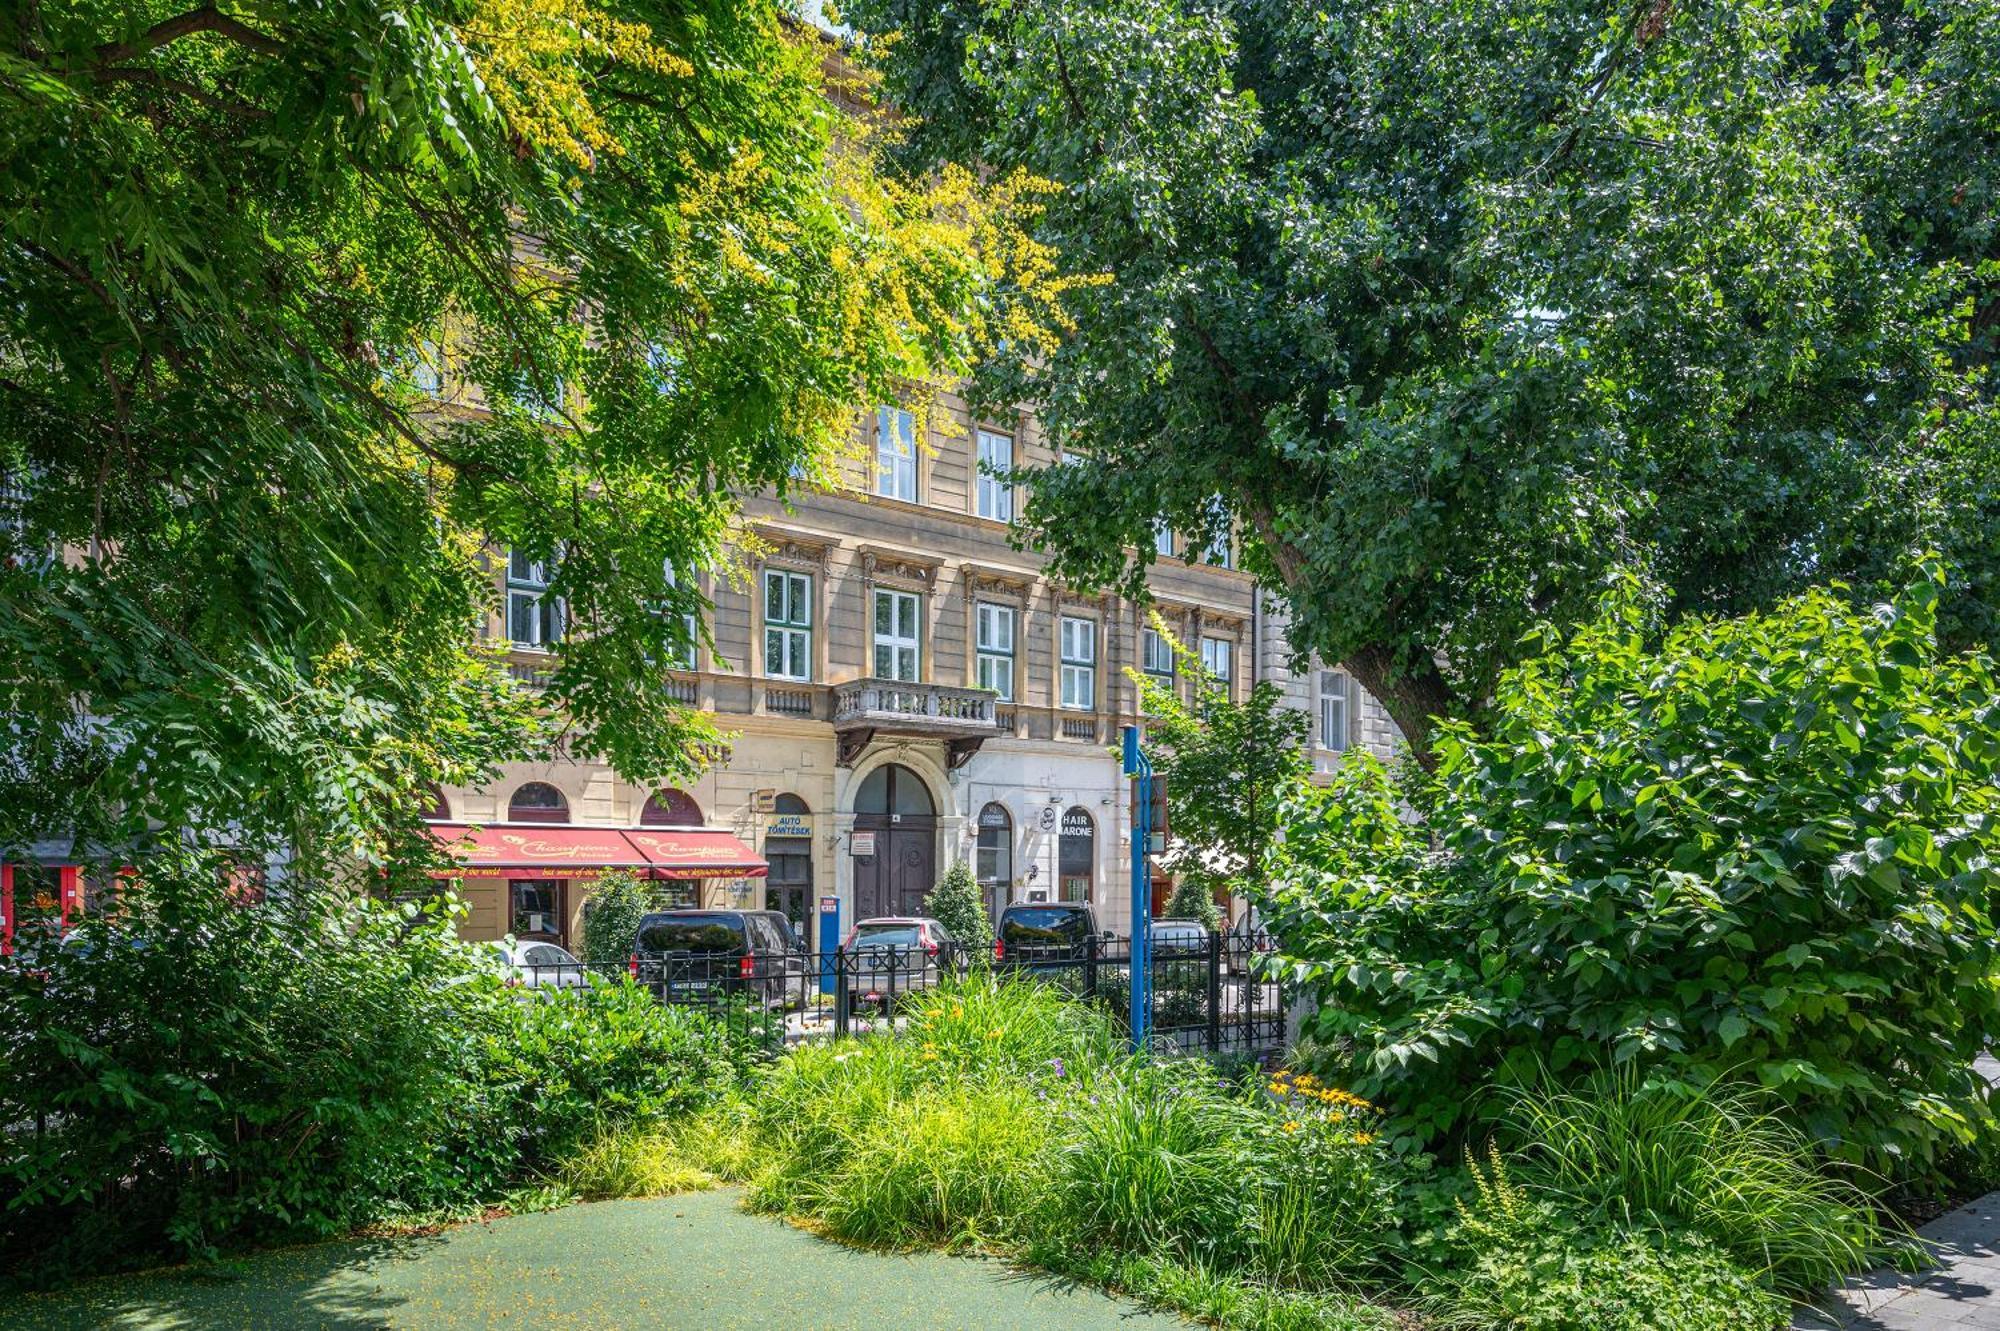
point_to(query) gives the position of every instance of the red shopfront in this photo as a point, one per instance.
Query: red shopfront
(533, 880)
(37, 895)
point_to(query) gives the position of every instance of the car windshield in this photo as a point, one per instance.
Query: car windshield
(1044, 926)
(692, 933)
(1178, 933)
(887, 935)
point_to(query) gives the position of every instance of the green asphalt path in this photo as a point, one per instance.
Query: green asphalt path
(696, 1261)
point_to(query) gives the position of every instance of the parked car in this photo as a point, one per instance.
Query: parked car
(1246, 941)
(709, 955)
(1178, 938)
(531, 964)
(892, 955)
(1046, 932)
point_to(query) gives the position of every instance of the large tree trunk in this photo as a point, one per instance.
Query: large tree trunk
(1412, 697)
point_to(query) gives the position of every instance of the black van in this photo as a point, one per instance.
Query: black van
(1054, 931)
(704, 955)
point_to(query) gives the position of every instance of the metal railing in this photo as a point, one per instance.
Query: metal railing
(1209, 994)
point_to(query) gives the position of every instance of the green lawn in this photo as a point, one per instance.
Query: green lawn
(695, 1261)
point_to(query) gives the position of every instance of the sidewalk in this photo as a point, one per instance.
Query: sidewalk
(1960, 1293)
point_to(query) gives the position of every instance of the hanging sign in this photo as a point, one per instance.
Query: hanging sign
(863, 845)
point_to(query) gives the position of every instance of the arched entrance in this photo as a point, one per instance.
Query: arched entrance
(893, 809)
(788, 848)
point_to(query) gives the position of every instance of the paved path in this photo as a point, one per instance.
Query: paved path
(695, 1262)
(1960, 1293)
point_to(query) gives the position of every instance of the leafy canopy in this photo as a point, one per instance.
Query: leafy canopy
(304, 307)
(1763, 845)
(1230, 769)
(1456, 304)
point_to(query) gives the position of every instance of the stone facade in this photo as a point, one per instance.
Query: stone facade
(924, 566)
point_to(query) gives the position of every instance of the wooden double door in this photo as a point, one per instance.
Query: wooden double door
(900, 874)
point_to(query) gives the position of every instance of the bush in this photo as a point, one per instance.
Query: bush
(565, 1064)
(1709, 1159)
(618, 901)
(202, 1074)
(1765, 844)
(1193, 899)
(957, 904)
(194, 1074)
(1528, 1267)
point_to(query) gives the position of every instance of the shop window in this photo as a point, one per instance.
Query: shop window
(538, 802)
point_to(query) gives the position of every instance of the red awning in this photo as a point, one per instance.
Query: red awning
(666, 852)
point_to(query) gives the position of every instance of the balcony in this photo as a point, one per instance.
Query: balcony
(962, 719)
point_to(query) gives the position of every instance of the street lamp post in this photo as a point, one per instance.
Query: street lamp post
(1141, 771)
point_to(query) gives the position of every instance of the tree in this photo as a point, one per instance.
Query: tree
(1451, 307)
(956, 903)
(1230, 767)
(618, 901)
(1760, 847)
(310, 309)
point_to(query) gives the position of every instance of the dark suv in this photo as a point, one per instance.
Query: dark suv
(702, 955)
(1052, 932)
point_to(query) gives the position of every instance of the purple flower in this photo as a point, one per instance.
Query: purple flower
(1057, 1064)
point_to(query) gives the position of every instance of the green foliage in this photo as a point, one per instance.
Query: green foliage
(1762, 845)
(631, 1162)
(1230, 768)
(192, 1074)
(559, 277)
(1529, 1268)
(1707, 1158)
(1457, 304)
(618, 900)
(1193, 900)
(957, 903)
(566, 1063)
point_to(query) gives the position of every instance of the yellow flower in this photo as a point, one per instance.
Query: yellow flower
(1291, 1126)
(1363, 1138)
(995, 1033)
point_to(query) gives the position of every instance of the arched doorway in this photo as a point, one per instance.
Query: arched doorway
(788, 848)
(1076, 854)
(894, 812)
(993, 860)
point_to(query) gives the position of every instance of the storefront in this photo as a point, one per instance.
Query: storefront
(533, 881)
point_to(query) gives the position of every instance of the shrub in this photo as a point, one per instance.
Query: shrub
(1765, 844)
(1326, 1209)
(1193, 899)
(957, 904)
(618, 901)
(1710, 1159)
(1528, 1267)
(202, 1073)
(632, 1162)
(569, 1063)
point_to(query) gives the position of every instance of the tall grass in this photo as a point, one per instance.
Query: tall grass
(1707, 1156)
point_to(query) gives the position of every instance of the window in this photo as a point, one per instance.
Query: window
(896, 643)
(787, 624)
(421, 367)
(538, 802)
(1079, 663)
(663, 363)
(993, 861)
(1216, 658)
(1336, 710)
(996, 496)
(1163, 537)
(537, 908)
(668, 807)
(896, 454)
(546, 407)
(534, 617)
(995, 640)
(1156, 654)
(683, 655)
(1076, 853)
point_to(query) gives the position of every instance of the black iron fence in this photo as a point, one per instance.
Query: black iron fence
(1210, 993)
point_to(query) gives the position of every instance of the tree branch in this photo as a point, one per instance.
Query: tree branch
(205, 19)
(154, 79)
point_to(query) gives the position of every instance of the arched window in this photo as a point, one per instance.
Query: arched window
(893, 789)
(993, 862)
(671, 808)
(790, 803)
(538, 802)
(1076, 853)
(436, 810)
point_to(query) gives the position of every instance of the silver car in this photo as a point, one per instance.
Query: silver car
(531, 964)
(893, 955)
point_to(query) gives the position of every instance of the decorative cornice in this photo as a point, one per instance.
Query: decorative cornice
(985, 579)
(896, 566)
(784, 546)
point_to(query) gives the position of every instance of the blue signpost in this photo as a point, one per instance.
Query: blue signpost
(1141, 772)
(829, 941)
